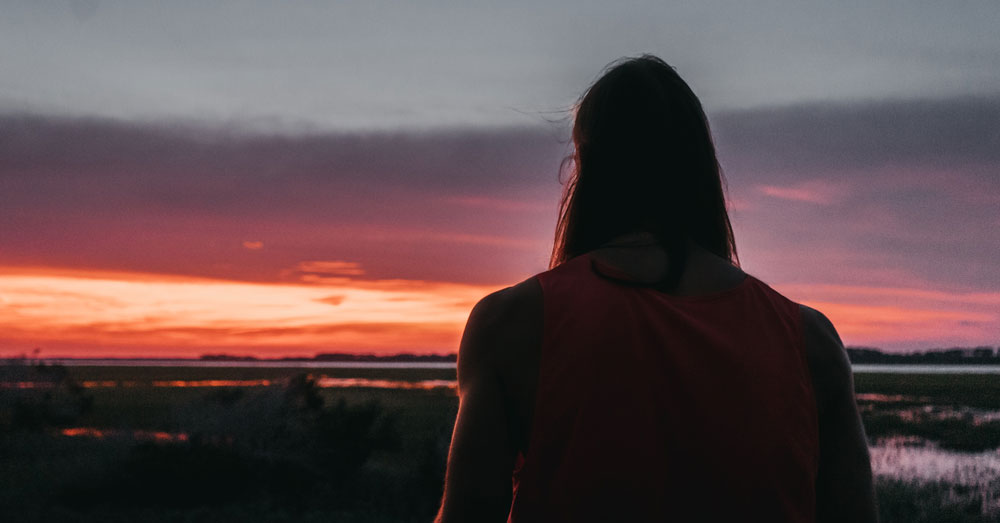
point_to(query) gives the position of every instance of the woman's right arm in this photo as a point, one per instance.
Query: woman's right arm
(844, 489)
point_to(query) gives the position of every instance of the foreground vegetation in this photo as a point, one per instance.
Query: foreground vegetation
(296, 452)
(289, 452)
(950, 410)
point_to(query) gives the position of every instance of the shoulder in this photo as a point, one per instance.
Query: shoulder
(825, 354)
(498, 308)
(501, 326)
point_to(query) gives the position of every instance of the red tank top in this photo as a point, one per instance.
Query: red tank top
(653, 407)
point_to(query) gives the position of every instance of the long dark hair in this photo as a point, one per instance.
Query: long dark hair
(644, 161)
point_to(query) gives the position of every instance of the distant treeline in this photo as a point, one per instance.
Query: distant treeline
(955, 355)
(408, 358)
(864, 355)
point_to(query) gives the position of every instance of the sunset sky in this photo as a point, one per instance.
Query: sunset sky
(287, 178)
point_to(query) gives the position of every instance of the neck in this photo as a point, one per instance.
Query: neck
(639, 258)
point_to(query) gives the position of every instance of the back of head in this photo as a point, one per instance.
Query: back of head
(644, 162)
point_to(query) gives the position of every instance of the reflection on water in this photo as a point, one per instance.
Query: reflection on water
(211, 383)
(913, 458)
(943, 412)
(385, 384)
(889, 398)
(924, 411)
(923, 368)
(259, 364)
(321, 381)
(144, 435)
(966, 474)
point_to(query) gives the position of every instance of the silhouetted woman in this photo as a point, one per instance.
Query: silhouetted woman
(645, 377)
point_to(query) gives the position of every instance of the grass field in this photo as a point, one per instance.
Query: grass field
(295, 452)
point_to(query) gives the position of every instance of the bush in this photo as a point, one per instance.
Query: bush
(285, 447)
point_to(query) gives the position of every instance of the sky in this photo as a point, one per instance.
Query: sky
(282, 179)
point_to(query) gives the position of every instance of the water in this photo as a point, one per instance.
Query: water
(964, 475)
(324, 382)
(913, 458)
(925, 369)
(254, 364)
(859, 369)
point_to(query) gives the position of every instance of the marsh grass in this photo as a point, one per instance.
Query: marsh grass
(954, 411)
(289, 452)
(295, 452)
(970, 390)
(936, 502)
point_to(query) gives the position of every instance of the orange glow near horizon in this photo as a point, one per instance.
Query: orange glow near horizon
(73, 313)
(98, 314)
(874, 316)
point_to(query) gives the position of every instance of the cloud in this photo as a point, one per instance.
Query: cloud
(902, 192)
(903, 317)
(811, 191)
(499, 204)
(332, 300)
(430, 64)
(159, 197)
(848, 138)
(196, 165)
(129, 314)
(893, 327)
(329, 268)
(890, 194)
(253, 245)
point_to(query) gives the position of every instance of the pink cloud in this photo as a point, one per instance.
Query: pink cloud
(330, 268)
(501, 204)
(896, 317)
(819, 192)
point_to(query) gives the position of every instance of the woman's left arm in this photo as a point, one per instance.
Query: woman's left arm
(478, 484)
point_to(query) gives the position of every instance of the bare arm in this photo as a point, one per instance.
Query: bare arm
(478, 484)
(844, 490)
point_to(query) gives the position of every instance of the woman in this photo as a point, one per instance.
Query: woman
(645, 377)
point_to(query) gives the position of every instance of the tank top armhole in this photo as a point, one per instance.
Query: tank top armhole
(523, 455)
(807, 376)
(798, 332)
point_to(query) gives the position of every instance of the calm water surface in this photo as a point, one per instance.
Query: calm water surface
(860, 368)
(926, 369)
(256, 364)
